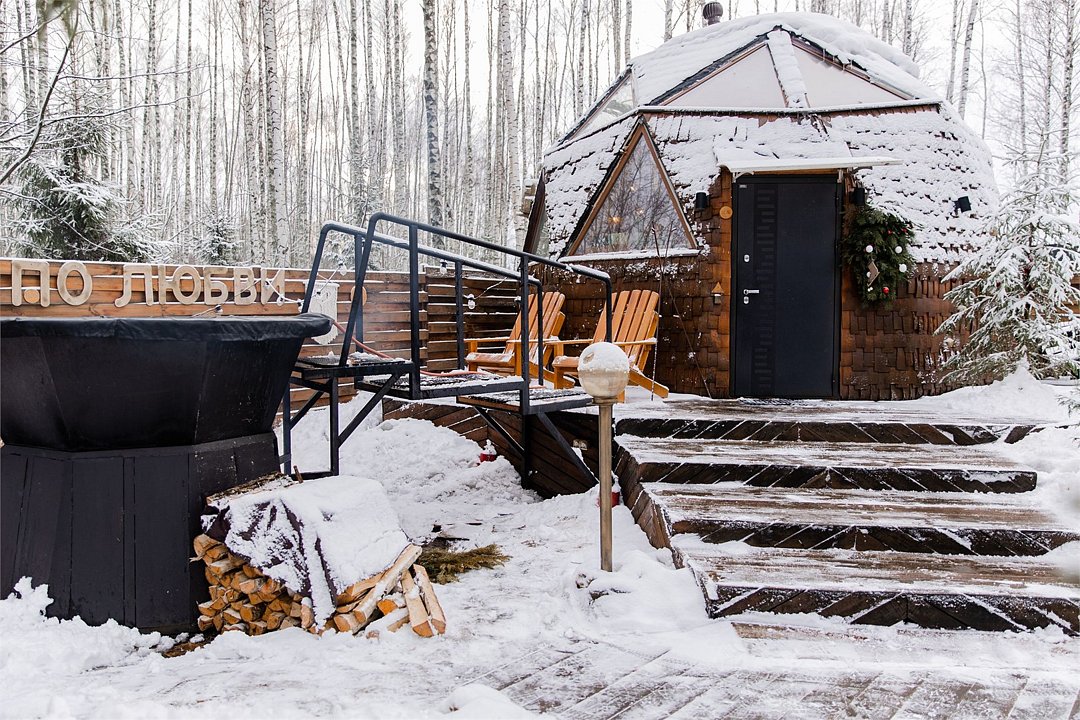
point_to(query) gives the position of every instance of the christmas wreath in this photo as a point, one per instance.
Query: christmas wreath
(876, 246)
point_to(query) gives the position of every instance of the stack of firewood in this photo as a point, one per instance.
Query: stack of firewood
(242, 598)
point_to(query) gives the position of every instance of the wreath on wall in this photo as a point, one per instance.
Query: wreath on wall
(876, 246)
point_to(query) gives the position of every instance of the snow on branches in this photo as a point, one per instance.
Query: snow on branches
(1019, 297)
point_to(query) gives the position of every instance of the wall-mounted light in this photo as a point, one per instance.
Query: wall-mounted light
(717, 294)
(701, 201)
(962, 204)
(858, 196)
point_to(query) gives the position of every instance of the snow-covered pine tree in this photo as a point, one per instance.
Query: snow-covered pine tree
(1018, 298)
(65, 212)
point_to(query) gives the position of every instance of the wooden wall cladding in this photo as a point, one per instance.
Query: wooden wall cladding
(893, 352)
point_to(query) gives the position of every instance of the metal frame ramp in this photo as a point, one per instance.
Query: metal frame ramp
(406, 379)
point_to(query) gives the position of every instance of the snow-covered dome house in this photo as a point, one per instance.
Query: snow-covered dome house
(721, 170)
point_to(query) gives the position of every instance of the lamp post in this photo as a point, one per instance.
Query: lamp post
(604, 369)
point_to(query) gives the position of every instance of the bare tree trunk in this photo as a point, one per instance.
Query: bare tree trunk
(965, 65)
(152, 117)
(431, 115)
(357, 204)
(26, 25)
(1021, 84)
(669, 8)
(128, 145)
(616, 32)
(954, 42)
(626, 38)
(256, 229)
(274, 136)
(189, 120)
(468, 178)
(506, 68)
(212, 142)
(908, 27)
(1069, 8)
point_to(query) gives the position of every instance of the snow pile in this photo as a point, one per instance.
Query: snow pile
(316, 537)
(427, 472)
(787, 69)
(36, 649)
(479, 702)
(1017, 397)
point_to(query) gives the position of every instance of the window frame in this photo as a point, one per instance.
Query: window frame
(639, 134)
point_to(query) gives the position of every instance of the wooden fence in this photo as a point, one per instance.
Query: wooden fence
(40, 288)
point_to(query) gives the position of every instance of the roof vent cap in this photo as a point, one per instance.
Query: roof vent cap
(712, 12)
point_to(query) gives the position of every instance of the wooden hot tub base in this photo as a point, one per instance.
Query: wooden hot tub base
(110, 531)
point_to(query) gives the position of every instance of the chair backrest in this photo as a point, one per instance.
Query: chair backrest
(553, 318)
(633, 320)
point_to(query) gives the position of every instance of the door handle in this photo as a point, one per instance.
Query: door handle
(751, 292)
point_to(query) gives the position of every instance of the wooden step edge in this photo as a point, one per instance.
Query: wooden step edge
(883, 571)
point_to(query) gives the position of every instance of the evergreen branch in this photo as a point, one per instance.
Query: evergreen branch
(41, 113)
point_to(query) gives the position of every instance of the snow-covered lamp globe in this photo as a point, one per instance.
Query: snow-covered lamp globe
(604, 370)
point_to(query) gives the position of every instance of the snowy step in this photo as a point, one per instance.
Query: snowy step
(937, 468)
(949, 523)
(818, 421)
(885, 588)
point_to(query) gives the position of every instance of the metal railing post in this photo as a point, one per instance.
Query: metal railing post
(459, 306)
(414, 307)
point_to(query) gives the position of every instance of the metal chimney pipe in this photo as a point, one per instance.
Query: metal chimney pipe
(712, 12)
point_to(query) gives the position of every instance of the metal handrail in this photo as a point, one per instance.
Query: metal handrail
(358, 235)
(524, 258)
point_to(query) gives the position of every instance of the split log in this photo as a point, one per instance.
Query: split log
(391, 602)
(418, 615)
(202, 544)
(431, 602)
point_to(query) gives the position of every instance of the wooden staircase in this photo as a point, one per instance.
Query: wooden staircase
(848, 512)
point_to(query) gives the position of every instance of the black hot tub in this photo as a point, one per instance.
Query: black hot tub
(115, 429)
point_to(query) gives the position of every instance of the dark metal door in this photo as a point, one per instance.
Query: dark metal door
(786, 304)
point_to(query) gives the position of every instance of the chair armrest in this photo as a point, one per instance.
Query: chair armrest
(473, 344)
(635, 343)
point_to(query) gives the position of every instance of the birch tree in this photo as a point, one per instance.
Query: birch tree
(431, 115)
(274, 136)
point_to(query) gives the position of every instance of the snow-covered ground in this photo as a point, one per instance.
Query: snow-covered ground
(551, 593)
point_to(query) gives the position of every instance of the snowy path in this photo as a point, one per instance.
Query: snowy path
(548, 629)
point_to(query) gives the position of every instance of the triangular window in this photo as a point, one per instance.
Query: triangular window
(636, 211)
(620, 101)
(749, 82)
(828, 84)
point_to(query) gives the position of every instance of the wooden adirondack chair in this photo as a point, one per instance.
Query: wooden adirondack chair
(634, 322)
(508, 362)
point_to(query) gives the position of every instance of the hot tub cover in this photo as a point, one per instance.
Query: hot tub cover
(226, 328)
(93, 384)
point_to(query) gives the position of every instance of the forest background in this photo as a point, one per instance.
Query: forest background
(227, 131)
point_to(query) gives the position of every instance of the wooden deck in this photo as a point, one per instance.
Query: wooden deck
(597, 681)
